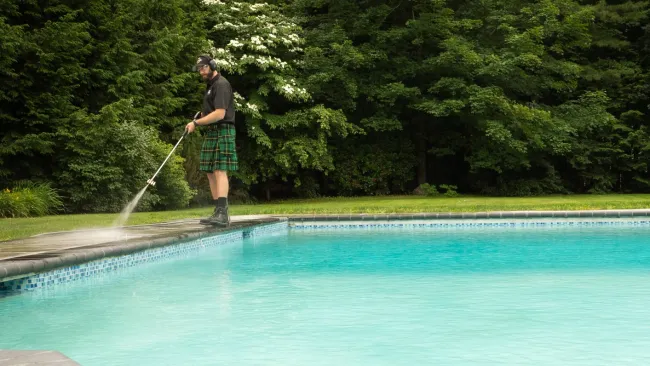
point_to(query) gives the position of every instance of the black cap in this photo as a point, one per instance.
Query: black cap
(202, 61)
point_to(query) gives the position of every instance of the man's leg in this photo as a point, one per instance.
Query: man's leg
(221, 179)
(212, 180)
(214, 183)
(214, 190)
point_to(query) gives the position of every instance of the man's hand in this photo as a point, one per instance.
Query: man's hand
(190, 127)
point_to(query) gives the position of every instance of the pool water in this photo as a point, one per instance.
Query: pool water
(503, 296)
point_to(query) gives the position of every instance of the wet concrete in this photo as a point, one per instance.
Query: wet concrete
(22, 257)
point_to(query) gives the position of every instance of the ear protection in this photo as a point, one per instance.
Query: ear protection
(213, 63)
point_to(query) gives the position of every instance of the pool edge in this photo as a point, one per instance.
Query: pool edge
(28, 273)
(472, 215)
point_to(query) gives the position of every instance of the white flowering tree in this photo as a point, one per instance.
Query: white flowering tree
(282, 132)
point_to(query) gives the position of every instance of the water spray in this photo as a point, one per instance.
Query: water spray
(151, 182)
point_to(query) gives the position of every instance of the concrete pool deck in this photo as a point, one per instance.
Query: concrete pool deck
(21, 257)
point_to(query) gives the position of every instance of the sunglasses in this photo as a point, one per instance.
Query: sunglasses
(199, 67)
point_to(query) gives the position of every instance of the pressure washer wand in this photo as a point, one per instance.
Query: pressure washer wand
(151, 181)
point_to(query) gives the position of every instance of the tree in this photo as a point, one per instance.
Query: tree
(488, 92)
(282, 132)
(72, 70)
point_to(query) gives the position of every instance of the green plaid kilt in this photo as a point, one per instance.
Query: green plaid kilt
(218, 151)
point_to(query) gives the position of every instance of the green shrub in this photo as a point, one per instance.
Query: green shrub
(28, 199)
(427, 189)
(110, 160)
(450, 190)
(430, 190)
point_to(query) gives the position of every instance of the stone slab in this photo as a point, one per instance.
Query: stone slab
(28, 358)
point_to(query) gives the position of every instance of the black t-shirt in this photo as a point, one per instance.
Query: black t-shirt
(219, 95)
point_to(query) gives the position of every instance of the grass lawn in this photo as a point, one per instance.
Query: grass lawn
(23, 227)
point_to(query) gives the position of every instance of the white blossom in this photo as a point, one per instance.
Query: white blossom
(224, 63)
(235, 43)
(228, 24)
(259, 32)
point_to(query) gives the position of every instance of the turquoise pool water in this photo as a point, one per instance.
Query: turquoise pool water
(502, 296)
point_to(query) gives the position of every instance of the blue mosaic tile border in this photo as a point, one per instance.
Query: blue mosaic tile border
(275, 229)
(474, 215)
(104, 265)
(466, 224)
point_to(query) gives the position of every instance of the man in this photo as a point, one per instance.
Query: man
(218, 154)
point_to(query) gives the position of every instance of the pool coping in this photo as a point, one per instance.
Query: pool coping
(32, 264)
(473, 215)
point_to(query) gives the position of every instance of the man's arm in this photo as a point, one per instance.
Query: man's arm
(214, 116)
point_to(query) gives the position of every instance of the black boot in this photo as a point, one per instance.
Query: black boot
(220, 215)
(209, 220)
(222, 218)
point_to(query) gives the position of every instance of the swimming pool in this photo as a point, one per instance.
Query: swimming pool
(570, 295)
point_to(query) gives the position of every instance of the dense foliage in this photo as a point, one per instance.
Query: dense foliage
(83, 84)
(334, 97)
(28, 199)
(498, 97)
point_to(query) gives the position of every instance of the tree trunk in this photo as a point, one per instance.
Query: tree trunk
(422, 154)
